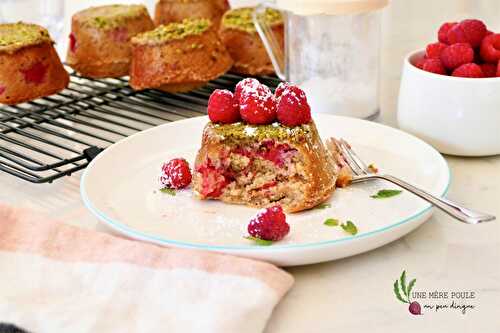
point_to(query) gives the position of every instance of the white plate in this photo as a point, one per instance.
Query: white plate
(120, 188)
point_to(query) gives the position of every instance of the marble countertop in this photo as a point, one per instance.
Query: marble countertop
(356, 294)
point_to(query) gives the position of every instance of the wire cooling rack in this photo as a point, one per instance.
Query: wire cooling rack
(56, 136)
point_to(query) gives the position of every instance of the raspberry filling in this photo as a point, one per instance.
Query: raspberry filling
(35, 73)
(214, 180)
(279, 154)
(72, 42)
(2, 89)
(120, 35)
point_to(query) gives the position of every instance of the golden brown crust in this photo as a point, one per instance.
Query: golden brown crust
(318, 164)
(167, 11)
(190, 61)
(105, 52)
(48, 74)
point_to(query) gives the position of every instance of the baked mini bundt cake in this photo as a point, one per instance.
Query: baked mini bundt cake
(261, 150)
(100, 39)
(168, 11)
(178, 57)
(29, 66)
(237, 32)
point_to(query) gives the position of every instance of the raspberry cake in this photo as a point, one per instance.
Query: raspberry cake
(100, 39)
(272, 156)
(238, 33)
(29, 66)
(168, 11)
(178, 57)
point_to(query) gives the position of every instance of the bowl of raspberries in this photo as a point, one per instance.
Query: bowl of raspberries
(450, 91)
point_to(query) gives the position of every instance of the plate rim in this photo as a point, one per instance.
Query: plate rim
(116, 225)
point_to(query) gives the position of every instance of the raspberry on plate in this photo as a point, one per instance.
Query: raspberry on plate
(433, 51)
(257, 104)
(468, 70)
(293, 109)
(467, 31)
(457, 54)
(175, 174)
(222, 107)
(434, 66)
(269, 224)
(489, 70)
(490, 48)
(443, 31)
(279, 90)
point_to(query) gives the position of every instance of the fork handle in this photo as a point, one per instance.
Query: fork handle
(461, 213)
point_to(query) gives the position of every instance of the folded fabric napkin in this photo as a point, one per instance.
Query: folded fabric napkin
(59, 278)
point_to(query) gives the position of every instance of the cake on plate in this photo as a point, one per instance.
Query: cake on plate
(178, 57)
(100, 39)
(261, 149)
(238, 33)
(29, 65)
(168, 11)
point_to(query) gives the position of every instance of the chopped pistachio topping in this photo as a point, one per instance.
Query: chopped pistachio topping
(241, 18)
(110, 17)
(16, 35)
(180, 30)
(241, 131)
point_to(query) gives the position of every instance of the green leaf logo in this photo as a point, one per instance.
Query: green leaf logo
(402, 290)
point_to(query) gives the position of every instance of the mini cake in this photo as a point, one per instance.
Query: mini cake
(168, 11)
(100, 39)
(237, 32)
(178, 57)
(29, 66)
(271, 154)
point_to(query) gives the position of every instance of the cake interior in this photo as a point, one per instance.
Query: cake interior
(254, 165)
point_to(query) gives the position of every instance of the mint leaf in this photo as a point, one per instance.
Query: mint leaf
(396, 292)
(323, 206)
(402, 281)
(410, 287)
(331, 222)
(349, 227)
(258, 241)
(169, 191)
(382, 194)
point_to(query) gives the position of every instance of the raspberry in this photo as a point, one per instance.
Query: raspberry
(279, 90)
(269, 224)
(222, 107)
(257, 104)
(467, 31)
(248, 83)
(35, 73)
(434, 66)
(443, 31)
(175, 174)
(456, 55)
(490, 48)
(293, 108)
(72, 42)
(489, 70)
(433, 51)
(468, 70)
(420, 62)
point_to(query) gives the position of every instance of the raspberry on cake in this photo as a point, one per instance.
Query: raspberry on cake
(178, 57)
(168, 11)
(238, 33)
(100, 39)
(29, 66)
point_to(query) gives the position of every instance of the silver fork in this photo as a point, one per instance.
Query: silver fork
(363, 173)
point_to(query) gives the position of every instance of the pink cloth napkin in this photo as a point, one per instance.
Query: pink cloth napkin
(59, 278)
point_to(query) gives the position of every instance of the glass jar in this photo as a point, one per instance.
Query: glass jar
(332, 51)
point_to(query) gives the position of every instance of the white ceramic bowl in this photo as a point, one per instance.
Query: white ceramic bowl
(458, 116)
